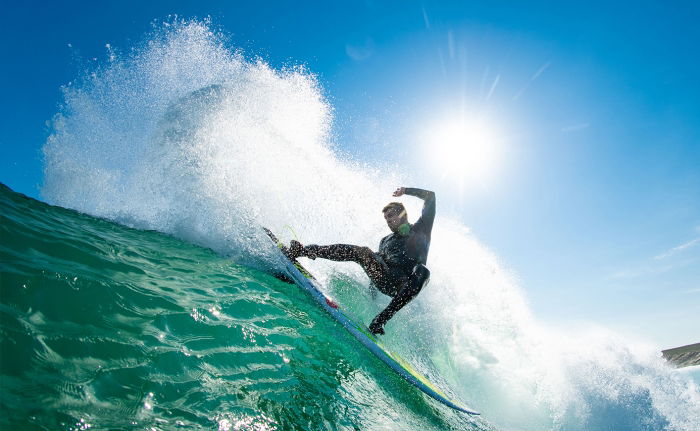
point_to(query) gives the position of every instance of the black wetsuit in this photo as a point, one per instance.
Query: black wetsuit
(398, 268)
(401, 253)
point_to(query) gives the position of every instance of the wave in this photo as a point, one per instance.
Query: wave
(186, 136)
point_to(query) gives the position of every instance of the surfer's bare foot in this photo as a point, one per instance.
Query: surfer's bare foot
(298, 250)
(376, 328)
(295, 249)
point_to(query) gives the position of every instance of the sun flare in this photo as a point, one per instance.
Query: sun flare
(463, 151)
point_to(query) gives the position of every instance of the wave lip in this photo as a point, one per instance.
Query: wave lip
(185, 137)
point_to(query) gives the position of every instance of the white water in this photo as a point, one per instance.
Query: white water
(187, 137)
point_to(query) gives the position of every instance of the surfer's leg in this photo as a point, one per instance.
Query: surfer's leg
(364, 256)
(419, 277)
(372, 264)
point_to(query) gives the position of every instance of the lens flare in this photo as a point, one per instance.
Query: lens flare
(466, 151)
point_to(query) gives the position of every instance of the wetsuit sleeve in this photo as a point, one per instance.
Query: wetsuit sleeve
(425, 222)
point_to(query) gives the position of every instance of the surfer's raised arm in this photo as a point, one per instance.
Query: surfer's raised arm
(425, 222)
(413, 191)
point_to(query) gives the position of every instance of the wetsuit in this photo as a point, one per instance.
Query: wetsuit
(398, 268)
(402, 253)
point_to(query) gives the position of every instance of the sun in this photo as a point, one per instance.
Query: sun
(465, 151)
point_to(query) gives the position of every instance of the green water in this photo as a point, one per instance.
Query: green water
(106, 327)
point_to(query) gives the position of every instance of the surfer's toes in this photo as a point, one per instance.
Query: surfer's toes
(376, 328)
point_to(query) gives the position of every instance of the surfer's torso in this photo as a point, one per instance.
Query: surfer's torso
(403, 252)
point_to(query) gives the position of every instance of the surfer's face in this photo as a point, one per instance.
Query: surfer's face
(395, 217)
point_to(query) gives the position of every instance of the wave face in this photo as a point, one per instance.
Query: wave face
(132, 328)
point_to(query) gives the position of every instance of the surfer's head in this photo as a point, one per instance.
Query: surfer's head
(395, 215)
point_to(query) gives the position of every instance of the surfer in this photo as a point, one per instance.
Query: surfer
(398, 268)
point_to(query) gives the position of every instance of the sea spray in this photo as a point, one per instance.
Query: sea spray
(186, 136)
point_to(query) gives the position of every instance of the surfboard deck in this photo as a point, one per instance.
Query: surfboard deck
(297, 274)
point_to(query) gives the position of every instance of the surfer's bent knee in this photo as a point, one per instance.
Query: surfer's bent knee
(419, 278)
(421, 271)
(366, 255)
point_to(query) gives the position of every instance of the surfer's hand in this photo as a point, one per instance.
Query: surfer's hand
(400, 191)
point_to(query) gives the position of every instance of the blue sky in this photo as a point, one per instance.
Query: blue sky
(594, 197)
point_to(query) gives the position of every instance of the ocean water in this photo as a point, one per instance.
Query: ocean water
(108, 327)
(141, 298)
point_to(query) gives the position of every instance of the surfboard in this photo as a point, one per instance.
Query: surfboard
(295, 273)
